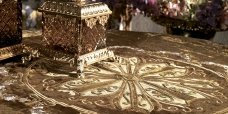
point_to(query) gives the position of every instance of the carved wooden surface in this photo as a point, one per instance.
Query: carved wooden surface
(150, 73)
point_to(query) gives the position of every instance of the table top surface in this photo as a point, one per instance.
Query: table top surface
(151, 73)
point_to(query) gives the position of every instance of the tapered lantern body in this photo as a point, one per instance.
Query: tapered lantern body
(10, 27)
(76, 27)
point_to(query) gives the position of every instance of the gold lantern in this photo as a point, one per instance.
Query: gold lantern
(10, 28)
(76, 27)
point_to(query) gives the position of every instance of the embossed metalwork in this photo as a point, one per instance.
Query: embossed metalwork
(10, 23)
(150, 81)
(11, 51)
(73, 26)
(10, 28)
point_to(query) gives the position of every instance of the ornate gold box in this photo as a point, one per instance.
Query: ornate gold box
(76, 27)
(10, 28)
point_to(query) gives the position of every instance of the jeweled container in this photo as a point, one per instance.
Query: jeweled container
(76, 27)
(10, 28)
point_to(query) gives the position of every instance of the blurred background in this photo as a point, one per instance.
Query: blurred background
(204, 19)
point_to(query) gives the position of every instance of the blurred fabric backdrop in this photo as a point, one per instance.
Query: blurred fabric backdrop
(32, 21)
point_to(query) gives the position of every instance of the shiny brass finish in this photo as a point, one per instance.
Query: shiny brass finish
(11, 51)
(10, 27)
(76, 27)
(149, 74)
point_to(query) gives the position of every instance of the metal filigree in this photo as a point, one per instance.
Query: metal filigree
(103, 19)
(81, 24)
(11, 51)
(10, 23)
(10, 28)
(54, 29)
(90, 22)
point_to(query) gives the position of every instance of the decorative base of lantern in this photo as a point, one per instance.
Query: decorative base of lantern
(35, 50)
(11, 51)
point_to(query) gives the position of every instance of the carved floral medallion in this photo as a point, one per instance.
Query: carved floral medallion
(143, 83)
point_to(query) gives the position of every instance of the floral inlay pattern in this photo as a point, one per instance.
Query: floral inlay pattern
(140, 85)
